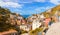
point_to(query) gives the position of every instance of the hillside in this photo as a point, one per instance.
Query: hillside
(5, 19)
(52, 11)
(49, 13)
(46, 18)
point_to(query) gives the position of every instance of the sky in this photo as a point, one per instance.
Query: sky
(28, 7)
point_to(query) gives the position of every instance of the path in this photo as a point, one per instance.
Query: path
(54, 29)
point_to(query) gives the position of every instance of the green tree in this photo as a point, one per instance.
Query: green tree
(4, 16)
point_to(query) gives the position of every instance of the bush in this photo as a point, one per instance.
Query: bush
(22, 31)
(34, 32)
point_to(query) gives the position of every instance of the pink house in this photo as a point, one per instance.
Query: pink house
(47, 20)
(23, 21)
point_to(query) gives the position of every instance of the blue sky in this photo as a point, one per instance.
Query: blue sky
(28, 7)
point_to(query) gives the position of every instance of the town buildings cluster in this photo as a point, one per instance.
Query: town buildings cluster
(44, 19)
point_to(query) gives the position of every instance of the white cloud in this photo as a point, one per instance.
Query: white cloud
(10, 0)
(42, 9)
(31, 1)
(24, 1)
(40, 0)
(6, 0)
(10, 4)
(57, 2)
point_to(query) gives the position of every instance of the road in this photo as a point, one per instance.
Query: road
(54, 29)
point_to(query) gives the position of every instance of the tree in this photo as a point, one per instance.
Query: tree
(4, 16)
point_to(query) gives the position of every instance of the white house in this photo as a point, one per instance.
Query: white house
(24, 27)
(42, 16)
(19, 17)
(35, 24)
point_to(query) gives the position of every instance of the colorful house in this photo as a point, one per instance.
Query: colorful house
(46, 21)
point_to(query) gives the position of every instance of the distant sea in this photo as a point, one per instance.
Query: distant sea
(25, 16)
